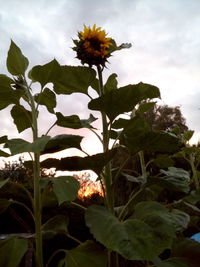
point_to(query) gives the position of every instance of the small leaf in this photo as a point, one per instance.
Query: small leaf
(61, 142)
(88, 254)
(12, 251)
(163, 161)
(65, 188)
(47, 73)
(74, 80)
(3, 139)
(2, 183)
(47, 98)
(114, 47)
(7, 94)
(18, 145)
(74, 121)
(17, 63)
(94, 162)
(188, 135)
(4, 154)
(111, 83)
(22, 118)
(124, 99)
(144, 107)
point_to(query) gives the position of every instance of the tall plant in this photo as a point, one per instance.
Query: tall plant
(142, 228)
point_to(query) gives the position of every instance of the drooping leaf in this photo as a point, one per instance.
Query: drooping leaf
(88, 254)
(74, 121)
(47, 73)
(47, 98)
(18, 145)
(116, 102)
(133, 239)
(94, 162)
(12, 251)
(65, 188)
(61, 142)
(7, 94)
(17, 63)
(74, 79)
(4, 154)
(56, 225)
(22, 117)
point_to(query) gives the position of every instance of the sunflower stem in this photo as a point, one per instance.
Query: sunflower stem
(108, 175)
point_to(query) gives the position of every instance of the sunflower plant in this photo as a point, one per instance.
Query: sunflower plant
(134, 230)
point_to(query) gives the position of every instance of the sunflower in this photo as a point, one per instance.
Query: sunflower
(93, 46)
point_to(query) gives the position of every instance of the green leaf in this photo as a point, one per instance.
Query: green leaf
(133, 239)
(18, 145)
(74, 80)
(114, 47)
(116, 102)
(4, 154)
(88, 254)
(47, 73)
(163, 161)
(111, 83)
(144, 107)
(7, 94)
(12, 251)
(193, 197)
(17, 63)
(22, 118)
(46, 98)
(171, 262)
(3, 139)
(174, 220)
(175, 179)
(188, 135)
(56, 225)
(74, 121)
(94, 162)
(65, 188)
(2, 183)
(61, 142)
(4, 203)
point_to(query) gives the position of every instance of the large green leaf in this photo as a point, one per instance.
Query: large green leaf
(133, 238)
(74, 121)
(74, 79)
(22, 117)
(88, 254)
(65, 188)
(18, 145)
(95, 162)
(46, 98)
(61, 142)
(12, 251)
(148, 210)
(7, 94)
(116, 102)
(175, 179)
(47, 73)
(17, 63)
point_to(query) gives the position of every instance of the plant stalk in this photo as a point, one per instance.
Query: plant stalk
(108, 175)
(195, 177)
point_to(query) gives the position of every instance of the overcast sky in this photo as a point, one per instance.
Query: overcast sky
(165, 52)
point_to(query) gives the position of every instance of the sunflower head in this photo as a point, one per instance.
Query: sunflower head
(93, 47)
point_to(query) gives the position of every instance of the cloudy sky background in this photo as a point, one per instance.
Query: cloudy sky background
(165, 52)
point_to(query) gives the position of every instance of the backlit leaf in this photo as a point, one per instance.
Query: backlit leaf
(47, 98)
(22, 117)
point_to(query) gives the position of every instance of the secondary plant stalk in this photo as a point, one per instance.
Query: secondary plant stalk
(108, 175)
